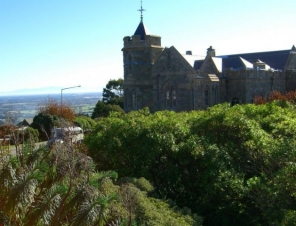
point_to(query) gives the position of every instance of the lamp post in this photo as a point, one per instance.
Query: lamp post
(62, 135)
(62, 94)
(64, 89)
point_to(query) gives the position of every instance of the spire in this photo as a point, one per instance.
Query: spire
(141, 10)
(141, 29)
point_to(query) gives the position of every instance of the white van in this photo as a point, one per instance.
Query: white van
(66, 134)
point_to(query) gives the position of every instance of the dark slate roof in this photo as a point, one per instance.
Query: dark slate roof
(141, 30)
(197, 64)
(275, 59)
(233, 62)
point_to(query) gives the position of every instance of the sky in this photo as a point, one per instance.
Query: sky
(47, 45)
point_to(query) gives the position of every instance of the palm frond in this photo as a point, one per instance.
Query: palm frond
(93, 212)
(46, 206)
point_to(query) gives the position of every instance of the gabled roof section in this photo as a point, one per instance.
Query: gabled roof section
(191, 59)
(218, 63)
(172, 60)
(246, 63)
(197, 64)
(142, 30)
(275, 59)
(236, 63)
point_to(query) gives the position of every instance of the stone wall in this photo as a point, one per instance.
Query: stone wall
(245, 85)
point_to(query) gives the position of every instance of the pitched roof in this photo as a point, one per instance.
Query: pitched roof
(197, 64)
(218, 63)
(276, 59)
(246, 63)
(142, 30)
(273, 59)
(191, 59)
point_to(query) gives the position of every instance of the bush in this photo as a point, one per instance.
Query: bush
(231, 165)
(103, 110)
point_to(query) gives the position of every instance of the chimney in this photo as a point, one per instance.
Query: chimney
(211, 52)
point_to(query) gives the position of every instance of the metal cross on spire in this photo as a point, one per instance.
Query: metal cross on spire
(141, 10)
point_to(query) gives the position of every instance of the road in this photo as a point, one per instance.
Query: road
(37, 145)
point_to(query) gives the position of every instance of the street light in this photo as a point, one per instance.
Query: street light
(64, 89)
(62, 101)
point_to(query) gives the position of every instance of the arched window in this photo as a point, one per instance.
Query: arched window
(171, 98)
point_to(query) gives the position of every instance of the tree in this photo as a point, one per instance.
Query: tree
(31, 135)
(50, 114)
(52, 107)
(84, 122)
(230, 165)
(113, 92)
(276, 95)
(103, 110)
(44, 123)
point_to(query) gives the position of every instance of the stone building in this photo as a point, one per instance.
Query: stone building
(162, 78)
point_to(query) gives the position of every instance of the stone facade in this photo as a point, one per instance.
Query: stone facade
(163, 79)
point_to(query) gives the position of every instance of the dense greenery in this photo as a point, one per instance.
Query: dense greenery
(103, 110)
(84, 122)
(59, 187)
(44, 124)
(231, 165)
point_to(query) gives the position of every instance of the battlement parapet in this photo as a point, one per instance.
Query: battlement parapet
(135, 41)
(253, 73)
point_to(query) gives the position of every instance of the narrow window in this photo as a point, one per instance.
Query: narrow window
(168, 98)
(174, 98)
(207, 96)
(134, 100)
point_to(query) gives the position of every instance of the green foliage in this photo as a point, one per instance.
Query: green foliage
(112, 100)
(113, 92)
(60, 187)
(103, 110)
(84, 122)
(44, 123)
(230, 165)
(31, 134)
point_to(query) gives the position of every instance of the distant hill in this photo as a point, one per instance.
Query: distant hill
(49, 90)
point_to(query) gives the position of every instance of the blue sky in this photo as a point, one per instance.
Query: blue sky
(46, 45)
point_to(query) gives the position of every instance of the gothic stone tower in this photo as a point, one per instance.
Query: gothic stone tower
(139, 54)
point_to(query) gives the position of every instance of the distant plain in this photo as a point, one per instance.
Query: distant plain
(26, 106)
